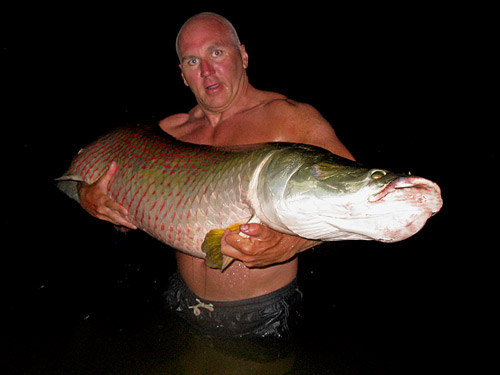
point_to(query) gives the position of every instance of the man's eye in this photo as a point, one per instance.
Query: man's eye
(217, 53)
(192, 62)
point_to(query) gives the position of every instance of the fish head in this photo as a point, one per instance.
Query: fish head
(337, 199)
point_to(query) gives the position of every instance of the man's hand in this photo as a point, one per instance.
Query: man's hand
(264, 247)
(94, 199)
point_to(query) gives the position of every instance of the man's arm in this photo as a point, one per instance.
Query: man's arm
(94, 199)
(264, 246)
(299, 123)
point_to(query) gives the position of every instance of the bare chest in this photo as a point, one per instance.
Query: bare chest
(231, 132)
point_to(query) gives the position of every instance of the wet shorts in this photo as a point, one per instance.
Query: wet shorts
(272, 316)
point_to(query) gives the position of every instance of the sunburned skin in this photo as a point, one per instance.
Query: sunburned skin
(230, 111)
(235, 113)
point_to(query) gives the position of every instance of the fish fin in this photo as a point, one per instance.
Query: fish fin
(72, 177)
(211, 246)
(226, 262)
(322, 171)
(68, 185)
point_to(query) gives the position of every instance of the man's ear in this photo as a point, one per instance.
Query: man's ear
(244, 56)
(182, 75)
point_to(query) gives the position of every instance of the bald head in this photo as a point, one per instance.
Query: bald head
(209, 17)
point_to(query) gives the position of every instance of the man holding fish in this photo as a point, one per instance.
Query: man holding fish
(257, 295)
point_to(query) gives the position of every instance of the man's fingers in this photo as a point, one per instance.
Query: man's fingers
(251, 230)
(112, 205)
(258, 232)
(232, 245)
(119, 214)
(261, 247)
(111, 210)
(239, 243)
(124, 222)
(106, 177)
(115, 216)
(95, 200)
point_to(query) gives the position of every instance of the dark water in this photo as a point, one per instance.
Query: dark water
(79, 297)
(92, 305)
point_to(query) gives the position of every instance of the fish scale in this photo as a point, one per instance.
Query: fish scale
(168, 188)
(186, 195)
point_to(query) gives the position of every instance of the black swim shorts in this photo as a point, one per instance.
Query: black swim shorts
(270, 316)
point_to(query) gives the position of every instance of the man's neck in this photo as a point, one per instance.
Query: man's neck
(242, 102)
(215, 118)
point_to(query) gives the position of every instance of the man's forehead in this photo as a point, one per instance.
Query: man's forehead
(205, 35)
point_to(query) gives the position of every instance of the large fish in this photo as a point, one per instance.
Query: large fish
(186, 195)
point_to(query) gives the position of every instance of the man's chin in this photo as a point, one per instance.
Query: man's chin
(215, 105)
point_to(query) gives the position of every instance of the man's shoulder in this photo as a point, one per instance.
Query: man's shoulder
(286, 109)
(300, 122)
(174, 121)
(280, 104)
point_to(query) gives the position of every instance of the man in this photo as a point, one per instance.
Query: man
(231, 112)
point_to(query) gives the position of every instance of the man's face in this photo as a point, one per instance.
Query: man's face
(211, 65)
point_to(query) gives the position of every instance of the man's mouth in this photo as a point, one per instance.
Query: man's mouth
(213, 87)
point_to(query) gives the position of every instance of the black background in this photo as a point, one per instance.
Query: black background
(391, 80)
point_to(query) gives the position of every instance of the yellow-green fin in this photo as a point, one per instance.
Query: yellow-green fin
(211, 247)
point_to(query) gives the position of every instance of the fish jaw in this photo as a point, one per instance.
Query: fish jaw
(425, 191)
(395, 212)
(408, 202)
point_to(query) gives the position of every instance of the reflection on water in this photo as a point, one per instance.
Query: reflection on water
(168, 348)
(117, 341)
(98, 315)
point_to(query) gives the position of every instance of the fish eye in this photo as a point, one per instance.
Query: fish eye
(377, 173)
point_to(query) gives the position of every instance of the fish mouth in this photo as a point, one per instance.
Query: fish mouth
(418, 189)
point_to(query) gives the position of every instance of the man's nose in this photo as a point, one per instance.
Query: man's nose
(206, 68)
